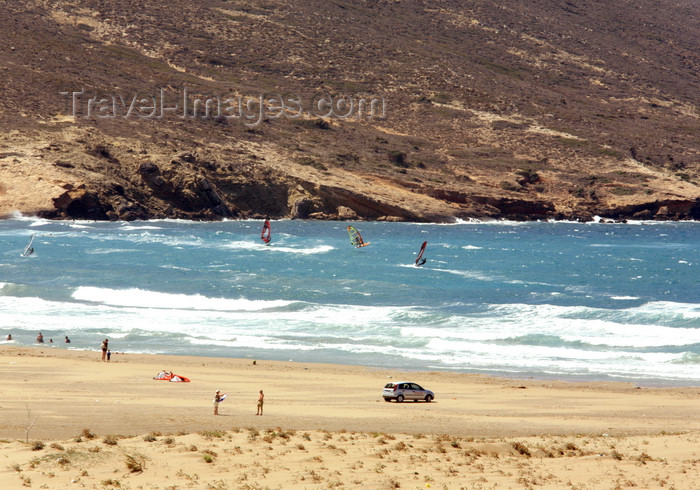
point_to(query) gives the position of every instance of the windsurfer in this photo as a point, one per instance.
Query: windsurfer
(266, 234)
(420, 260)
(356, 238)
(28, 250)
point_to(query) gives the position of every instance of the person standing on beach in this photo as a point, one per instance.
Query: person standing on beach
(105, 348)
(260, 403)
(109, 355)
(217, 400)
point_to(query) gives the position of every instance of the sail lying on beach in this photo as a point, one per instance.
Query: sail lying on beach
(163, 375)
(169, 376)
(356, 238)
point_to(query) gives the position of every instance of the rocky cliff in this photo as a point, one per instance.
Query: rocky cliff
(389, 110)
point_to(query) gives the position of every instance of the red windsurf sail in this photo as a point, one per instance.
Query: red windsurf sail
(169, 376)
(266, 234)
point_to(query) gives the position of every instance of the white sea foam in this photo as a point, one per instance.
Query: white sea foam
(33, 220)
(570, 324)
(253, 342)
(259, 246)
(152, 299)
(363, 330)
(304, 251)
(128, 227)
(490, 222)
(470, 274)
(39, 222)
(107, 251)
(685, 310)
(549, 359)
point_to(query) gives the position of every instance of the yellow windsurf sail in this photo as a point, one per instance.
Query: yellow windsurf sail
(356, 238)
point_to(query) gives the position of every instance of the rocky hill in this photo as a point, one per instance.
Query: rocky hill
(521, 109)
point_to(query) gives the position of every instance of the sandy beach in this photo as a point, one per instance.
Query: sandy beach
(68, 420)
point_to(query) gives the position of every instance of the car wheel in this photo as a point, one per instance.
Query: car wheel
(428, 398)
(387, 399)
(399, 398)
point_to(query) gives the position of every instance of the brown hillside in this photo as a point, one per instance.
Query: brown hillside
(520, 109)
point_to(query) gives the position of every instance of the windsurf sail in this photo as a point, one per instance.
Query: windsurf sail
(163, 375)
(356, 238)
(28, 250)
(266, 234)
(420, 262)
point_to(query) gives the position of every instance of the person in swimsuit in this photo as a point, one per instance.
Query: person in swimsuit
(105, 348)
(260, 403)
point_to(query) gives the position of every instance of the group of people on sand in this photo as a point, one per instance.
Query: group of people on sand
(219, 397)
(106, 353)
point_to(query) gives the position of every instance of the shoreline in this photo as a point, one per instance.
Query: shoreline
(99, 424)
(449, 220)
(655, 383)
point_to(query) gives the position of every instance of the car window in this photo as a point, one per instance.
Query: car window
(389, 385)
(415, 387)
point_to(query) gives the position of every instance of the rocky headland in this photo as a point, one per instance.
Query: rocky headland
(525, 110)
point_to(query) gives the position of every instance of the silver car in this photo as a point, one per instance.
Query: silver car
(405, 390)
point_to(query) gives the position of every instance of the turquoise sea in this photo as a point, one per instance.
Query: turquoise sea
(559, 300)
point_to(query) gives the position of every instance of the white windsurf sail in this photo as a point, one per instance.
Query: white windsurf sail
(28, 250)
